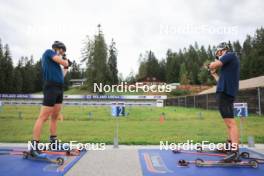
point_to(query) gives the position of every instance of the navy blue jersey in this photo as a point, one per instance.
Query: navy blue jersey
(51, 70)
(228, 82)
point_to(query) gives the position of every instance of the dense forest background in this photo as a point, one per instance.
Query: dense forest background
(184, 66)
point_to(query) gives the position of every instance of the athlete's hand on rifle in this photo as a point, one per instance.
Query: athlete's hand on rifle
(69, 62)
(206, 66)
(213, 71)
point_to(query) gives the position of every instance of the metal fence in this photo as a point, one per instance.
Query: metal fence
(254, 97)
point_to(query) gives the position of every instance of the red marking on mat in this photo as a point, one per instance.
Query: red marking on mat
(11, 153)
(16, 153)
(54, 153)
(149, 164)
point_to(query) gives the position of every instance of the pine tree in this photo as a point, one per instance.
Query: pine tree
(2, 74)
(112, 64)
(27, 76)
(7, 68)
(17, 81)
(152, 65)
(142, 70)
(203, 56)
(88, 56)
(252, 59)
(210, 53)
(131, 79)
(184, 75)
(149, 66)
(100, 57)
(172, 67)
(258, 42)
(162, 70)
(193, 65)
(38, 76)
(257, 63)
(245, 58)
(75, 72)
(230, 46)
(237, 48)
(95, 53)
(67, 81)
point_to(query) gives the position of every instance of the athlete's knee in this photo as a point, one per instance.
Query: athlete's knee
(55, 116)
(43, 117)
(231, 124)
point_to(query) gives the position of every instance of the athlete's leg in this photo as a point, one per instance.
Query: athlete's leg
(225, 105)
(233, 131)
(44, 114)
(54, 119)
(46, 111)
(56, 113)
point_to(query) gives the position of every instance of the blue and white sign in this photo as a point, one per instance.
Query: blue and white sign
(240, 109)
(118, 110)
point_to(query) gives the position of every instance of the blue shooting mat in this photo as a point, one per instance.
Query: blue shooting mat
(155, 162)
(15, 164)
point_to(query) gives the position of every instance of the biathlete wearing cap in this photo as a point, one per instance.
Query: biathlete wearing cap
(53, 76)
(227, 88)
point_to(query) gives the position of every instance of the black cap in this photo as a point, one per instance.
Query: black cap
(60, 45)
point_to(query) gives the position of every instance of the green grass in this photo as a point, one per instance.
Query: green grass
(141, 126)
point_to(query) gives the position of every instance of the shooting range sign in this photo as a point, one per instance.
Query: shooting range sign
(240, 109)
(118, 111)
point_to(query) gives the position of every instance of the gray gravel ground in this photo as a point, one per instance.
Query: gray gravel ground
(110, 162)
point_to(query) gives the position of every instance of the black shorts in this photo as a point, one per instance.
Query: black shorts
(53, 93)
(225, 105)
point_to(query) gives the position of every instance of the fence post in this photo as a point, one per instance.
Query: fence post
(259, 101)
(185, 101)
